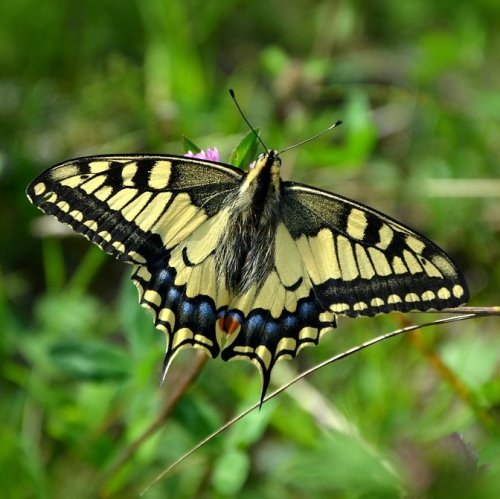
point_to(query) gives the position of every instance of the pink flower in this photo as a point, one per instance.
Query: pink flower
(211, 154)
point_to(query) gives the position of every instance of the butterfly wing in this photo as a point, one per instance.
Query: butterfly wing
(361, 262)
(160, 214)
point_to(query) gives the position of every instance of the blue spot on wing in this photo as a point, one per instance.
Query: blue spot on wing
(186, 309)
(165, 277)
(272, 328)
(255, 322)
(307, 311)
(290, 322)
(206, 314)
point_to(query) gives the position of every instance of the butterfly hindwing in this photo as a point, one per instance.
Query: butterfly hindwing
(362, 262)
(188, 320)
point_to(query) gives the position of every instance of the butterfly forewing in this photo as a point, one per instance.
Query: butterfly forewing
(362, 262)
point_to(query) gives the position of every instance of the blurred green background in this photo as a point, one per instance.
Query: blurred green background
(417, 86)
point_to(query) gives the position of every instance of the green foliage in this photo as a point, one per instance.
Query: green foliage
(245, 151)
(189, 146)
(415, 85)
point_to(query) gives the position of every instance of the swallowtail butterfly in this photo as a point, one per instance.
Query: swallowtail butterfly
(243, 263)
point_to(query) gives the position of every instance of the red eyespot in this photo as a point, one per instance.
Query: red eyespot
(229, 324)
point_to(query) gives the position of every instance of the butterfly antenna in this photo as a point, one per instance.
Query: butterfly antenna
(231, 93)
(331, 127)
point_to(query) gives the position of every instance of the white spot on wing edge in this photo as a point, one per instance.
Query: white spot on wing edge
(428, 295)
(63, 205)
(119, 246)
(339, 307)
(444, 293)
(77, 215)
(393, 299)
(360, 306)
(91, 224)
(412, 297)
(39, 189)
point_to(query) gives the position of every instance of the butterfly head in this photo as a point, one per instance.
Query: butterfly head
(261, 184)
(267, 166)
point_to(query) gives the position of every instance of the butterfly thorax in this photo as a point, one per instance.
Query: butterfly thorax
(245, 256)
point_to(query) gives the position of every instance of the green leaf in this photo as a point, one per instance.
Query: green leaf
(247, 432)
(245, 151)
(189, 146)
(90, 361)
(68, 314)
(136, 323)
(197, 416)
(230, 472)
(334, 469)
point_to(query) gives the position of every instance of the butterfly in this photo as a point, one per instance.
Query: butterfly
(243, 263)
